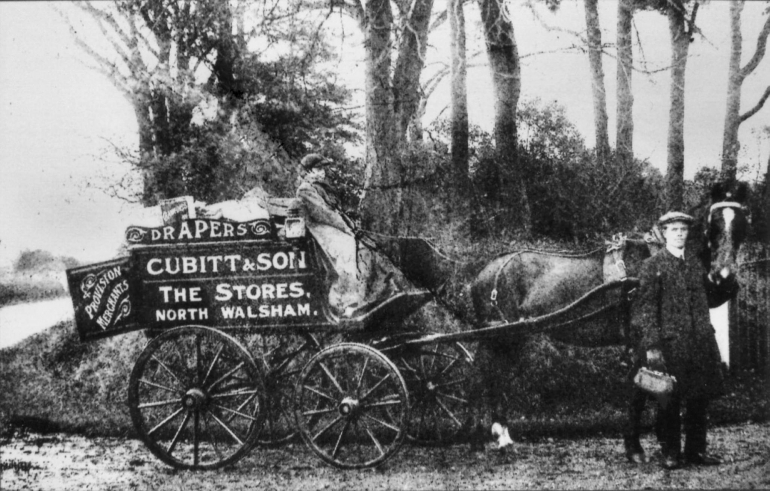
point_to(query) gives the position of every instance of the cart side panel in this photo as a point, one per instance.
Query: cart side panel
(267, 284)
(103, 299)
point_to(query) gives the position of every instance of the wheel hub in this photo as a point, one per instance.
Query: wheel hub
(195, 398)
(349, 406)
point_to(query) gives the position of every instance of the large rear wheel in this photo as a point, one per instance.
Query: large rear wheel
(352, 406)
(195, 397)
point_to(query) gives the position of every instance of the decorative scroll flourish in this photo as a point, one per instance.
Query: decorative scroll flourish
(87, 285)
(124, 308)
(260, 228)
(135, 234)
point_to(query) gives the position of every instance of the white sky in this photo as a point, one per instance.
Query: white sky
(58, 116)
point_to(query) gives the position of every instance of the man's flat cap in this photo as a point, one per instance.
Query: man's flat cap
(675, 216)
(314, 160)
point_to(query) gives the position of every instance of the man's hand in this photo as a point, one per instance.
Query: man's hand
(655, 360)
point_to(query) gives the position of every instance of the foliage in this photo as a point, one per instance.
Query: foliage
(29, 259)
(572, 196)
(266, 100)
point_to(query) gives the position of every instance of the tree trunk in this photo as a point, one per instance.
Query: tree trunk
(730, 144)
(381, 205)
(459, 94)
(506, 78)
(411, 55)
(597, 81)
(624, 128)
(680, 43)
(736, 75)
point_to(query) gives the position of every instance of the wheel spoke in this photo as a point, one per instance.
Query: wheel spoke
(337, 444)
(327, 427)
(381, 422)
(235, 412)
(320, 393)
(331, 378)
(196, 442)
(453, 397)
(361, 375)
(214, 439)
(375, 440)
(448, 411)
(147, 405)
(227, 428)
(226, 375)
(166, 421)
(453, 382)
(213, 362)
(449, 365)
(385, 403)
(158, 386)
(167, 369)
(376, 386)
(240, 392)
(175, 440)
(315, 412)
(197, 357)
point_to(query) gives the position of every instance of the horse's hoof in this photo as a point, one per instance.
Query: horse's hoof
(503, 438)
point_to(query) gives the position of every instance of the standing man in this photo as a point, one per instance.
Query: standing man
(672, 314)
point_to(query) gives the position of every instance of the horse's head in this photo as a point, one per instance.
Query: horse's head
(726, 229)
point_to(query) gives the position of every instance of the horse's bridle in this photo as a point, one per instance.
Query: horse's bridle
(724, 204)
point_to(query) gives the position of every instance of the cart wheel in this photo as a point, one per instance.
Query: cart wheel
(352, 406)
(437, 377)
(281, 359)
(195, 396)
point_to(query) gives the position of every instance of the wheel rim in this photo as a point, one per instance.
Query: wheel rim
(352, 406)
(195, 396)
(437, 378)
(281, 359)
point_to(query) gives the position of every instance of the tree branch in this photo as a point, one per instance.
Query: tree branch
(759, 53)
(751, 112)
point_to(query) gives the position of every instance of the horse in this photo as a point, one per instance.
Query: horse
(530, 283)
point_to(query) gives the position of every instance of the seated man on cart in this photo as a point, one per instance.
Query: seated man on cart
(364, 277)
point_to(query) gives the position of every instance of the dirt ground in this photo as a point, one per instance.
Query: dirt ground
(67, 462)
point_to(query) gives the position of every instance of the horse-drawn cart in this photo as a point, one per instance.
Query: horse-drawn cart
(244, 349)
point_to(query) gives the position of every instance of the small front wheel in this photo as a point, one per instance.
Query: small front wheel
(352, 406)
(195, 398)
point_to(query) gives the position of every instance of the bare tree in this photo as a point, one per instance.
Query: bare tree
(681, 26)
(594, 37)
(624, 126)
(506, 77)
(392, 98)
(459, 93)
(737, 74)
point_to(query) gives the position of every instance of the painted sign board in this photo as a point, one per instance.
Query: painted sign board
(226, 274)
(102, 299)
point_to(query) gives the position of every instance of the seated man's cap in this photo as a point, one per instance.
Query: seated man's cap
(313, 160)
(675, 216)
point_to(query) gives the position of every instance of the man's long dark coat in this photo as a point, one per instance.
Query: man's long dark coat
(671, 313)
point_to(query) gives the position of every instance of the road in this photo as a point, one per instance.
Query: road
(65, 462)
(20, 321)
